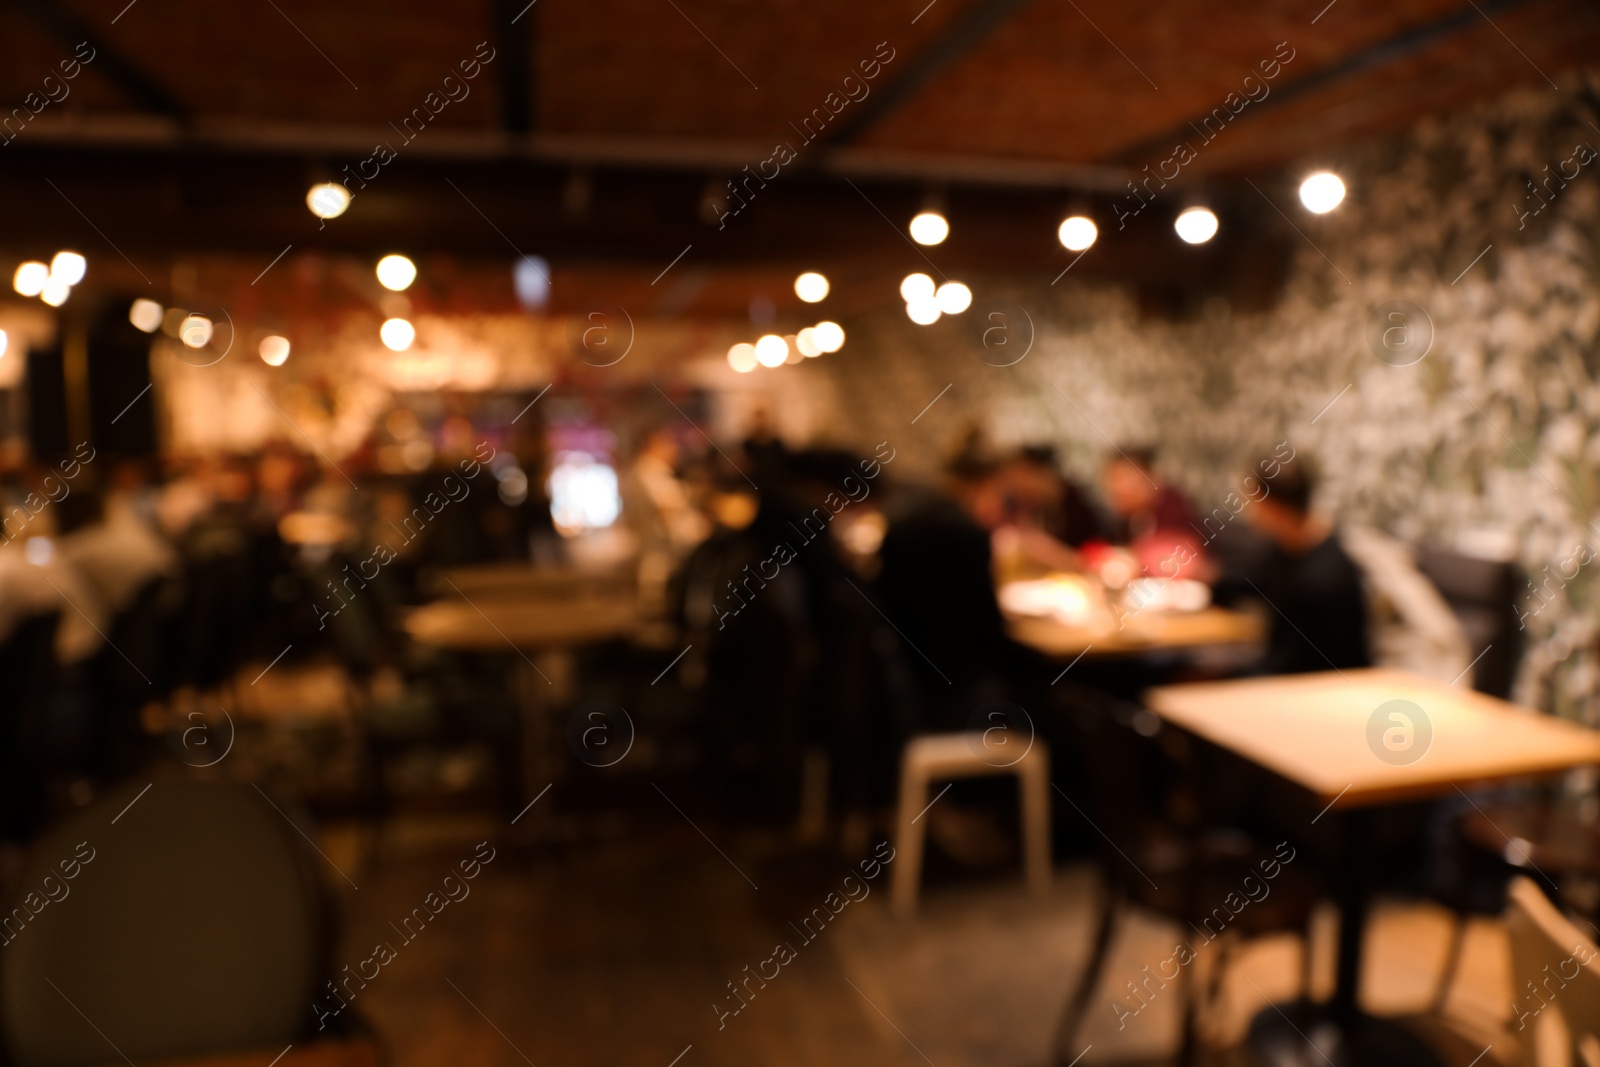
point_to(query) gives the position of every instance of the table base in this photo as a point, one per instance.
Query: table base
(1306, 1035)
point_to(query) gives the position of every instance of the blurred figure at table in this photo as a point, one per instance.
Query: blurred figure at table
(1154, 519)
(1044, 498)
(937, 585)
(659, 508)
(656, 500)
(1315, 600)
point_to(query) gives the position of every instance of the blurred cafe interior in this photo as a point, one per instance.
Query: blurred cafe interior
(1019, 533)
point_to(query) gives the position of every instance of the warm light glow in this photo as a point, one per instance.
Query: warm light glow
(274, 350)
(953, 298)
(1322, 192)
(829, 336)
(929, 228)
(806, 342)
(811, 287)
(742, 357)
(1196, 225)
(923, 312)
(328, 200)
(55, 292)
(1077, 233)
(146, 315)
(916, 287)
(195, 331)
(583, 493)
(30, 278)
(69, 267)
(396, 272)
(771, 350)
(4, 342)
(397, 334)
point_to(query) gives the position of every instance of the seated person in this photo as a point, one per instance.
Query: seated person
(1152, 518)
(1316, 606)
(938, 589)
(1043, 497)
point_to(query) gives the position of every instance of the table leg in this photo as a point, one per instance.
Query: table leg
(1352, 893)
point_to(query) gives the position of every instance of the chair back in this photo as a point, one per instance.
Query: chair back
(29, 669)
(183, 921)
(1555, 983)
(1483, 594)
(1119, 775)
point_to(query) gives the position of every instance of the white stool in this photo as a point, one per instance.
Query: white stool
(941, 757)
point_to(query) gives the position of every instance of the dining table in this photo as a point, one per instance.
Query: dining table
(1356, 745)
(1068, 616)
(538, 622)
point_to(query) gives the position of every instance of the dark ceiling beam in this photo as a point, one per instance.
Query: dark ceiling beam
(513, 38)
(134, 83)
(965, 34)
(1379, 55)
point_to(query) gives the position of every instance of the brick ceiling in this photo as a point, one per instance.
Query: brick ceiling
(197, 124)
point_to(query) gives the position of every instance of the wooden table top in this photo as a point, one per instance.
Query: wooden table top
(1146, 631)
(1338, 735)
(491, 625)
(523, 581)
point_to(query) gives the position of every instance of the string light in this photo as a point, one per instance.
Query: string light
(811, 287)
(1196, 225)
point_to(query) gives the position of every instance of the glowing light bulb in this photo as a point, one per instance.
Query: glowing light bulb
(4, 342)
(1077, 233)
(146, 315)
(274, 350)
(771, 350)
(30, 278)
(1196, 225)
(805, 342)
(929, 228)
(69, 267)
(1322, 192)
(742, 357)
(55, 292)
(811, 287)
(923, 311)
(195, 331)
(397, 334)
(328, 200)
(953, 298)
(396, 272)
(916, 287)
(829, 336)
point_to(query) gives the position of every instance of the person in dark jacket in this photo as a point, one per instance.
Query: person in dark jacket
(1316, 605)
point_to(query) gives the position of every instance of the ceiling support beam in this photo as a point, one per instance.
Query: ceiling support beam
(134, 83)
(1381, 54)
(964, 35)
(513, 38)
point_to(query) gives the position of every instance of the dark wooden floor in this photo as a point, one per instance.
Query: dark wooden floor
(614, 950)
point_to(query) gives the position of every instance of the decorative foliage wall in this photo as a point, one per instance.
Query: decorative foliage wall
(1488, 443)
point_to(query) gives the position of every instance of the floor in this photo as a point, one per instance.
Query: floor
(620, 947)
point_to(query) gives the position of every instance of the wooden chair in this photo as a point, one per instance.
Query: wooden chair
(1555, 983)
(943, 757)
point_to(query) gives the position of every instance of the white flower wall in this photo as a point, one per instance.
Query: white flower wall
(1491, 439)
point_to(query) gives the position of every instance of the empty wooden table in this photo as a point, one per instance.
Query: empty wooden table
(1359, 740)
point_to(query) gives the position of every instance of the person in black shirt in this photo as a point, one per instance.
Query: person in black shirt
(937, 588)
(1317, 607)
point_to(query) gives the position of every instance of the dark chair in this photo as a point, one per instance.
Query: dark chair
(185, 921)
(1490, 843)
(1484, 595)
(1156, 856)
(28, 666)
(129, 671)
